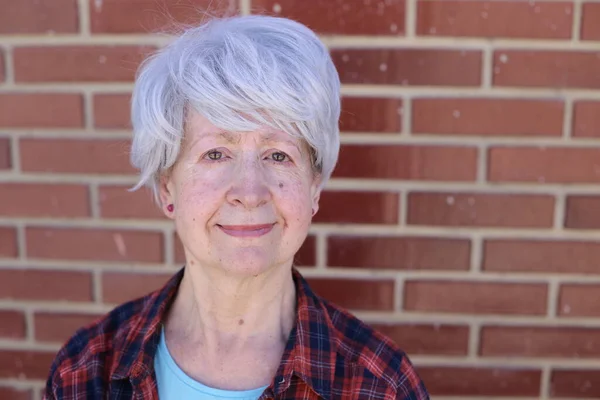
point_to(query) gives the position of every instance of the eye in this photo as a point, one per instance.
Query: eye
(214, 155)
(279, 156)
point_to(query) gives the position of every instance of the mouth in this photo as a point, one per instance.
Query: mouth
(247, 230)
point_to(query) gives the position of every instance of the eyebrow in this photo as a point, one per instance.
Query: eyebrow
(234, 138)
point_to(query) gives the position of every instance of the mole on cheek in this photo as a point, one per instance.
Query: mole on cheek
(280, 185)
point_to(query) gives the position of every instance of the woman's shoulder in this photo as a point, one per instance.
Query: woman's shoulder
(368, 349)
(92, 352)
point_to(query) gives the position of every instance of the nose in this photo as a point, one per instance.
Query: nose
(250, 188)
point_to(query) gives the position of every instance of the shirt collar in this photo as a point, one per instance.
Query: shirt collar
(310, 351)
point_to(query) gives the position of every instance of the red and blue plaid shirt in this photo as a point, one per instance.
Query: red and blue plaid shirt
(330, 355)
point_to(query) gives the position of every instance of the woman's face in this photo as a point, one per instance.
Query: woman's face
(243, 201)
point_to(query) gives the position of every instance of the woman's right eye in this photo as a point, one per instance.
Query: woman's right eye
(215, 155)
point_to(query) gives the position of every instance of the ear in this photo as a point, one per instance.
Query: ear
(315, 193)
(165, 194)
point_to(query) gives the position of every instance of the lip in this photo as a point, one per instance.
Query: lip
(247, 230)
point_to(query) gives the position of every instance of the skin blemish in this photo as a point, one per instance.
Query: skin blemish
(280, 185)
(241, 322)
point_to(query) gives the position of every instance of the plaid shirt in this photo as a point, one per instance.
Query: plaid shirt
(330, 355)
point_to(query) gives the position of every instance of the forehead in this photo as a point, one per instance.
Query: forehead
(198, 127)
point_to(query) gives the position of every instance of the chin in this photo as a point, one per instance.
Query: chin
(248, 261)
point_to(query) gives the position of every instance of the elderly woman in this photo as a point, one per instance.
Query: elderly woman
(236, 131)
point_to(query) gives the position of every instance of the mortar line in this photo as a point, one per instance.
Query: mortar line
(487, 68)
(15, 154)
(410, 21)
(476, 255)
(406, 115)
(94, 204)
(399, 293)
(97, 286)
(245, 7)
(9, 72)
(84, 18)
(482, 163)
(577, 21)
(553, 294)
(88, 109)
(559, 211)
(473, 345)
(545, 382)
(322, 249)
(29, 325)
(568, 115)
(21, 240)
(403, 208)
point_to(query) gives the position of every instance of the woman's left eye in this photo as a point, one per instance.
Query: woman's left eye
(279, 156)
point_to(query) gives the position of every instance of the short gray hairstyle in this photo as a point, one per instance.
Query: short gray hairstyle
(240, 73)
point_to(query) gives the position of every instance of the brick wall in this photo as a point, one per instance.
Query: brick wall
(463, 219)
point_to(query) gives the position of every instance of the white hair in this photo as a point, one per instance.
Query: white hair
(239, 73)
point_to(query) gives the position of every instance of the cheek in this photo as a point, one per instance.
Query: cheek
(295, 202)
(197, 190)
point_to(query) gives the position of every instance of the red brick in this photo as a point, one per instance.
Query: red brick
(35, 16)
(25, 364)
(28, 284)
(590, 30)
(77, 63)
(549, 165)
(12, 324)
(581, 384)
(430, 67)
(546, 68)
(579, 300)
(358, 207)
(446, 340)
(583, 212)
(539, 20)
(307, 255)
(481, 381)
(350, 17)
(487, 117)
(586, 118)
(476, 297)
(41, 110)
(147, 16)
(112, 111)
(5, 162)
(506, 341)
(8, 242)
(355, 294)
(360, 114)
(541, 256)
(43, 200)
(406, 162)
(76, 156)
(58, 327)
(94, 244)
(479, 209)
(118, 202)
(10, 393)
(402, 253)
(121, 287)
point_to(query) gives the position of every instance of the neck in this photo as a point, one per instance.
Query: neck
(222, 314)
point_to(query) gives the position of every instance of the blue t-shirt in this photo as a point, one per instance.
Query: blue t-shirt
(174, 384)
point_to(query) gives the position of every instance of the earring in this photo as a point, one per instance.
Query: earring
(170, 208)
